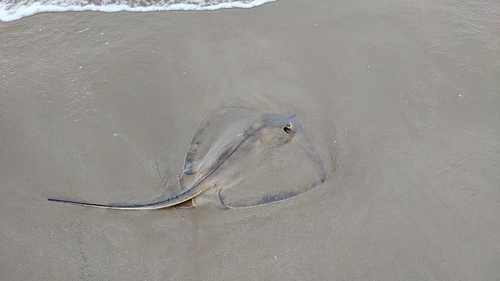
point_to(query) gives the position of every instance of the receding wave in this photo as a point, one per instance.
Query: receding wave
(15, 9)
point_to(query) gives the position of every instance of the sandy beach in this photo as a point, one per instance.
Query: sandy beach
(400, 99)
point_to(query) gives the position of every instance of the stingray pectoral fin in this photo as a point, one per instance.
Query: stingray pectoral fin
(217, 136)
(285, 172)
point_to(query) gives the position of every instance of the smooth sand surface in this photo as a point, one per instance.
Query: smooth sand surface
(400, 98)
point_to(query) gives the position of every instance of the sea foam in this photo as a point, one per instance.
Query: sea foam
(11, 10)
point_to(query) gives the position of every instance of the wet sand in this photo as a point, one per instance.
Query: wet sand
(400, 99)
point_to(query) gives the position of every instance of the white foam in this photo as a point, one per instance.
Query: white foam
(11, 12)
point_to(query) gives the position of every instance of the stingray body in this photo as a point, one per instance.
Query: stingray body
(240, 158)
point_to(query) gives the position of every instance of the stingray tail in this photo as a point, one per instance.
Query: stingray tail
(169, 202)
(157, 205)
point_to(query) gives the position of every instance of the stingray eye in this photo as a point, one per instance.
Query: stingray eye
(288, 128)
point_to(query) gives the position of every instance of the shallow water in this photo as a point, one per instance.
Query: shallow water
(16, 9)
(400, 99)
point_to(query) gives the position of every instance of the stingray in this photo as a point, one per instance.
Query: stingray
(240, 158)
